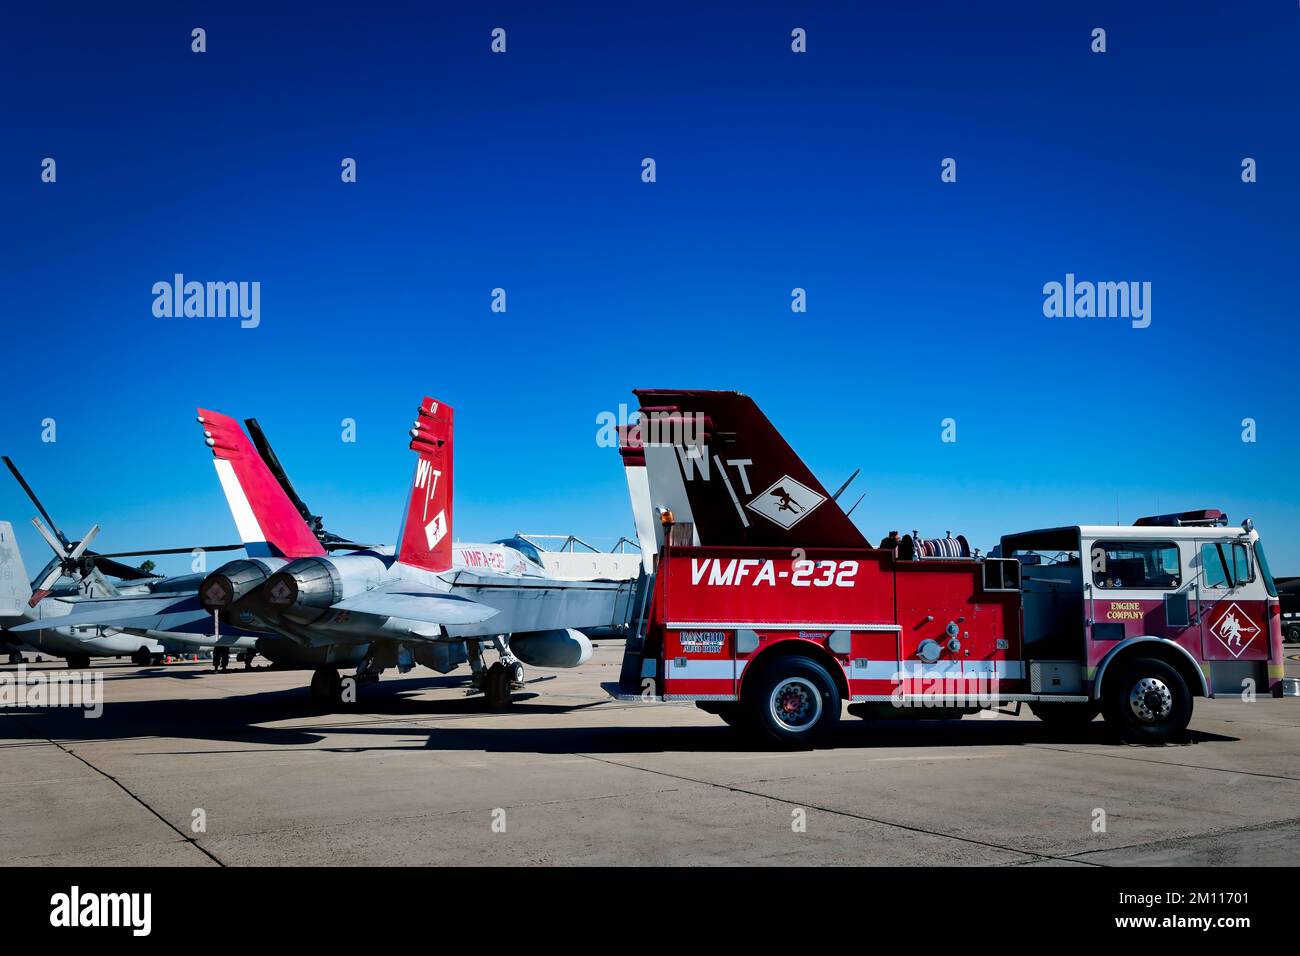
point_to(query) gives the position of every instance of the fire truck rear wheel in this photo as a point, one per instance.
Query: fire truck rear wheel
(794, 702)
(1148, 702)
(1064, 713)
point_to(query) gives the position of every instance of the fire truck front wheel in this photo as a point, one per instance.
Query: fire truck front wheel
(794, 701)
(1148, 703)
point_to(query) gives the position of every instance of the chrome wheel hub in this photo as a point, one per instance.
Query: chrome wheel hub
(1151, 700)
(795, 704)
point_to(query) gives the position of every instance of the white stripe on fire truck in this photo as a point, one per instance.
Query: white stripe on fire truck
(687, 668)
(891, 670)
(694, 669)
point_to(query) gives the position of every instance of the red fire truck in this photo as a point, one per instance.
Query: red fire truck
(769, 608)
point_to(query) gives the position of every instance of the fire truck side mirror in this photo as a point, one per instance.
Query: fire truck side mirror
(1177, 612)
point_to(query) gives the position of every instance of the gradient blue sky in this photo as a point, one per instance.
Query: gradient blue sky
(775, 170)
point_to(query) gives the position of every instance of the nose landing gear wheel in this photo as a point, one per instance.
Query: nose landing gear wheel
(78, 662)
(1148, 702)
(15, 657)
(498, 684)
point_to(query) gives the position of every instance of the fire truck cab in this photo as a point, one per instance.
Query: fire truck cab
(1185, 591)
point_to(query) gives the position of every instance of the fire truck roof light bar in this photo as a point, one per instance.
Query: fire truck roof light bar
(1204, 518)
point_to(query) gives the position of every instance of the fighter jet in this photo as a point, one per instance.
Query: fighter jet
(425, 601)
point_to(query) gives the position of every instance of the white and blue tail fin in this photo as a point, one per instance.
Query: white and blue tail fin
(15, 589)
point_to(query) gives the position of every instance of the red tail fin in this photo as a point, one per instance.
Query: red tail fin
(715, 460)
(267, 520)
(425, 538)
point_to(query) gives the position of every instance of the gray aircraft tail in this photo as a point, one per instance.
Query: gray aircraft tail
(15, 589)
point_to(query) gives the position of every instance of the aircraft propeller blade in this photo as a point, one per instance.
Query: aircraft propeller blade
(36, 501)
(116, 569)
(133, 554)
(60, 548)
(84, 543)
(73, 558)
(43, 588)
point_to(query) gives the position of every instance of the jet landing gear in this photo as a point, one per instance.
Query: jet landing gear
(221, 658)
(498, 682)
(332, 691)
(326, 688)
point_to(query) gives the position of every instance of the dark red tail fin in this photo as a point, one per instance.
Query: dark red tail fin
(267, 520)
(714, 460)
(425, 538)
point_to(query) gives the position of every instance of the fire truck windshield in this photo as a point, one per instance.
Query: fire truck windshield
(1264, 571)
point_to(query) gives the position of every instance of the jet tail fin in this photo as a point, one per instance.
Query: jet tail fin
(269, 524)
(425, 538)
(716, 462)
(648, 529)
(15, 589)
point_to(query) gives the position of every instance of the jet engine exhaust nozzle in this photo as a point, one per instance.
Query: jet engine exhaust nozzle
(230, 583)
(302, 591)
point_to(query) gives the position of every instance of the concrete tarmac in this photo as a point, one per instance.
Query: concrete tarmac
(418, 773)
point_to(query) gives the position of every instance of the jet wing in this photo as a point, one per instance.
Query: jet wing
(417, 602)
(198, 622)
(108, 612)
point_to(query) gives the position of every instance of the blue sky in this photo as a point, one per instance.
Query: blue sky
(775, 171)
